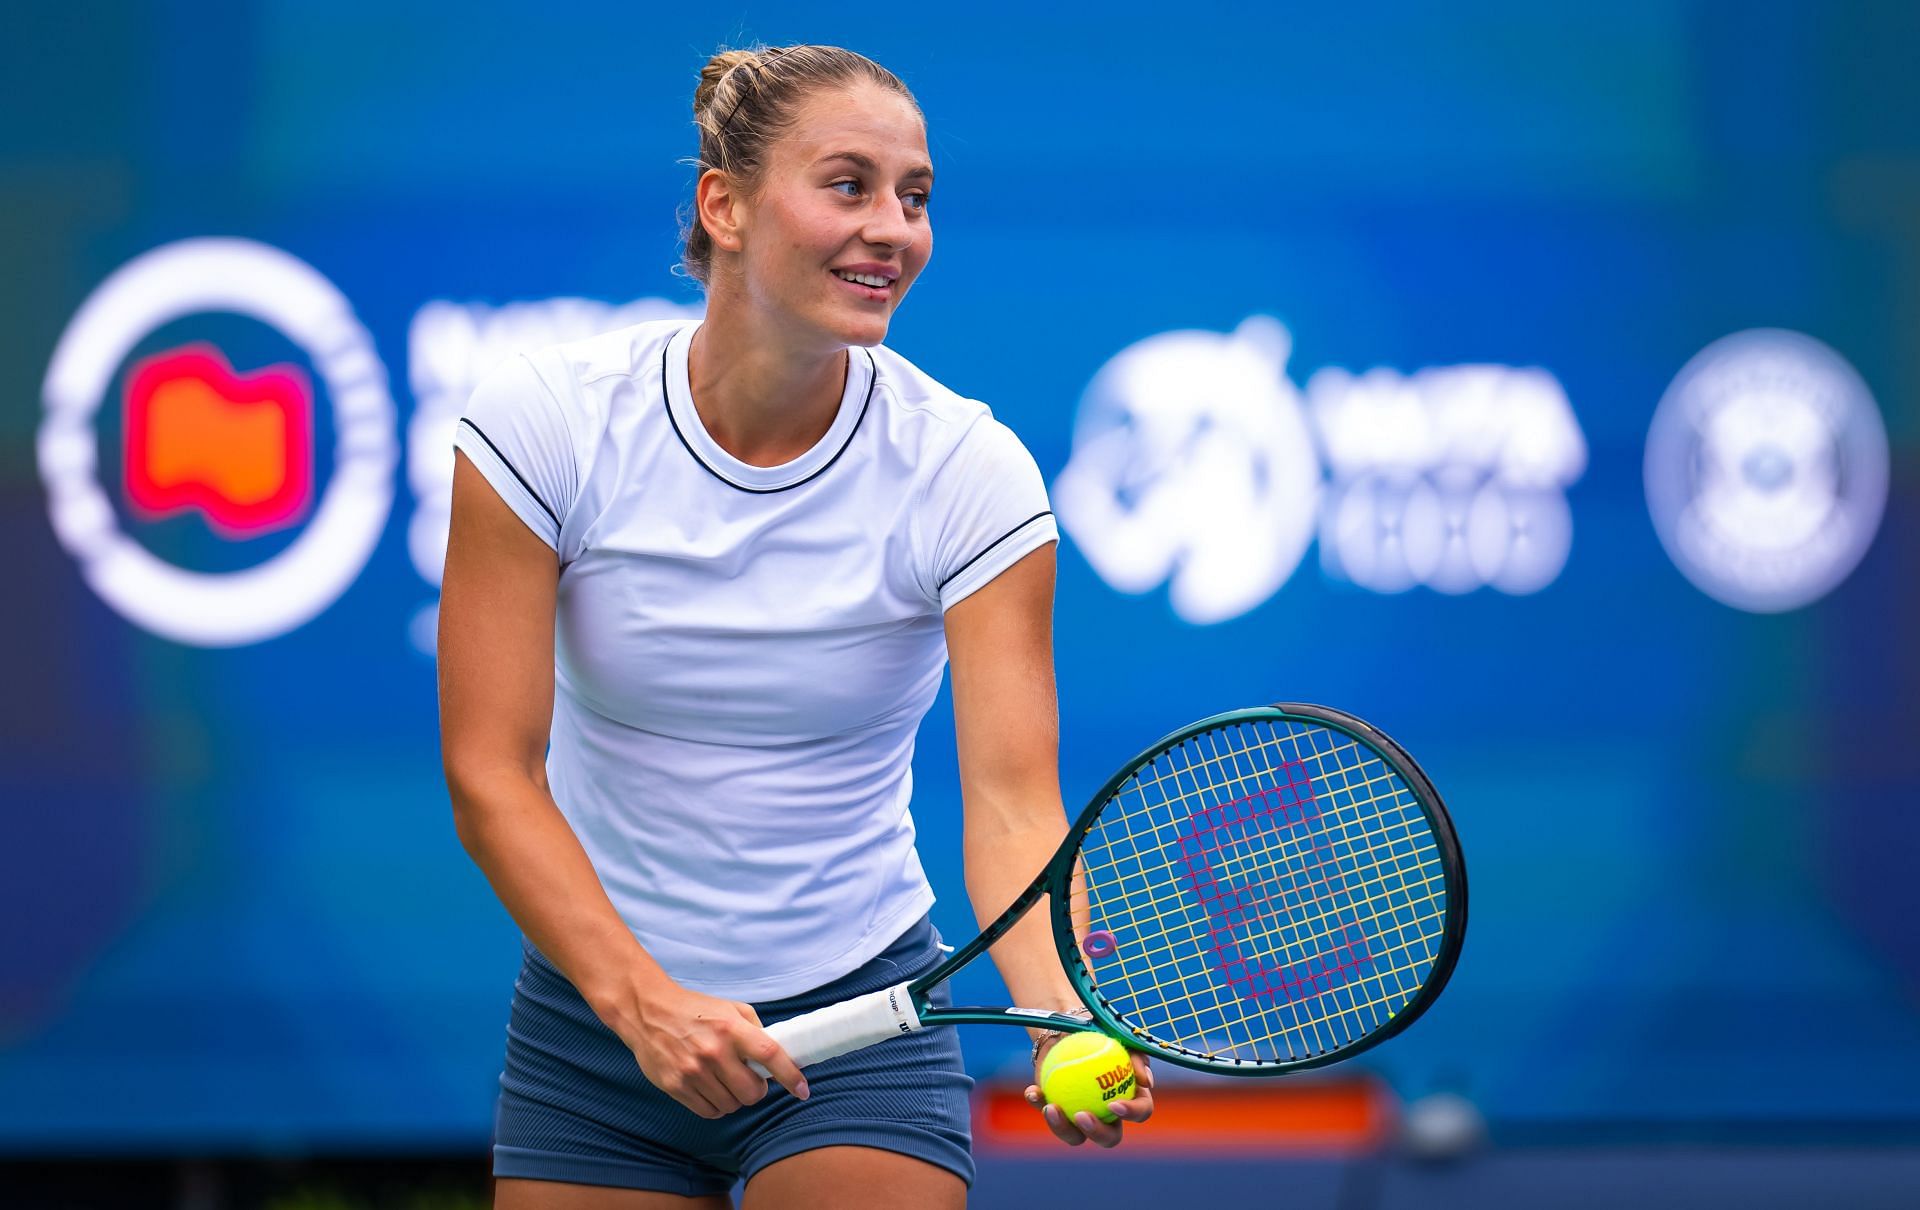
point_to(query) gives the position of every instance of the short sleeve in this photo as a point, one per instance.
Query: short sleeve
(515, 434)
(985, 508)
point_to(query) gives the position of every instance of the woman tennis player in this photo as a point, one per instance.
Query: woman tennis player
(719, 566)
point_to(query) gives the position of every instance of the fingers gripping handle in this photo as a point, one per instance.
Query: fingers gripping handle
(836, 1029)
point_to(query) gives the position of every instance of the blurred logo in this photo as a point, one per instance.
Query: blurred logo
(1192, 463)
(1196, 462)
(1766, 470)
(1452, 477)
(236, 447)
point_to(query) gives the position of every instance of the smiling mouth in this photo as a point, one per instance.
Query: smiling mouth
(862, 288)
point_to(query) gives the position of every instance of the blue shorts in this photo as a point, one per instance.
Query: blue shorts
(574, 1105)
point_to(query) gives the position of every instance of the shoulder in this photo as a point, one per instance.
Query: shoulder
(980, 503)
(913, 389)
(932, 416)
(577, 380)
(632, 352)
(565, 369)
(962, 425)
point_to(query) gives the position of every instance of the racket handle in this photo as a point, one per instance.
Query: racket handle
(826, 1033)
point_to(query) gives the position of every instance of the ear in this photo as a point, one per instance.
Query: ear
(720, 209)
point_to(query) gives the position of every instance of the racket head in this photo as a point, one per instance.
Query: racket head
(1263, 891)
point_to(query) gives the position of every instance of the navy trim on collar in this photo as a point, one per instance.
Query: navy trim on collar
(666, 400)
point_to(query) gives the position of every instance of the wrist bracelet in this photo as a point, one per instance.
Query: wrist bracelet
(1084, 1013)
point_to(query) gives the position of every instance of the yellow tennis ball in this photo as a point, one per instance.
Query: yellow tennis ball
(1085, 1071)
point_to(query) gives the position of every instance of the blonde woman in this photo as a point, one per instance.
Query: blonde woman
(702, 583)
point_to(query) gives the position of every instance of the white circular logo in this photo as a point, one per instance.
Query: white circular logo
(1766, 470)
(286, 591)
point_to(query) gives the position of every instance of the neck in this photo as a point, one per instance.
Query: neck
(766, 395)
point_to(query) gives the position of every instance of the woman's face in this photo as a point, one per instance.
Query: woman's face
(846, 190)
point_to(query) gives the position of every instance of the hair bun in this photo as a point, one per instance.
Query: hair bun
(715, 71)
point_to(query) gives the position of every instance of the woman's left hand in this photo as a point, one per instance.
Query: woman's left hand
(1084, 1126)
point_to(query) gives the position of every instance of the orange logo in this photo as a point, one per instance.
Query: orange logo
(237, 447)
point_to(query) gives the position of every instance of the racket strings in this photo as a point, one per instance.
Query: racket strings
(1173, 895)
(1327, 956)
(1272, 891)
(1332, 957)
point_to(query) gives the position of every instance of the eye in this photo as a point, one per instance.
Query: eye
(837, 184)
(926, 199)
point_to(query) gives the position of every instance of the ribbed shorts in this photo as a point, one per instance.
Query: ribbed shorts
(574, 1105)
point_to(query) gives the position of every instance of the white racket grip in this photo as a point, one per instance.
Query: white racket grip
(826, 1033)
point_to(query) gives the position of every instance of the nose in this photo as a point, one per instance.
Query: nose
(888, 223)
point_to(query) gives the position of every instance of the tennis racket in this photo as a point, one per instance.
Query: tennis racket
(1264, 891)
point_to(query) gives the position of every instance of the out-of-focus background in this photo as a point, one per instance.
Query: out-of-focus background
(1541, 383)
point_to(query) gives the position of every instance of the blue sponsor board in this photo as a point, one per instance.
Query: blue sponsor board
(1341, 360)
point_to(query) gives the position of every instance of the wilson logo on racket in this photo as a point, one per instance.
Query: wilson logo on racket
(1292, 886)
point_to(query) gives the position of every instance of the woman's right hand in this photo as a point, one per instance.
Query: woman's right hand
(695, 1048)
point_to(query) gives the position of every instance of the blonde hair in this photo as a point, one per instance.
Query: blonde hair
(746, 100)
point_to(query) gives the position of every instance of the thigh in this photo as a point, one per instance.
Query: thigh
(510, 1193)
(854, 1178)
(899, 1108)
(578, 1123)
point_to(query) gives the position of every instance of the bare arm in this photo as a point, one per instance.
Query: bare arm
(1007, 725)
(496, 702)
(496, 705)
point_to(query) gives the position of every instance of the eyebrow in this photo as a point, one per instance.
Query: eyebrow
(921, 170)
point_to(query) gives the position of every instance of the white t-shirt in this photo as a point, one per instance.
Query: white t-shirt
(743, 654)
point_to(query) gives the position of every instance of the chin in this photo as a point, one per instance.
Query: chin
(864, 332)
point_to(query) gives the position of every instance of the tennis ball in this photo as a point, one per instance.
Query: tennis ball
(1085, 1071)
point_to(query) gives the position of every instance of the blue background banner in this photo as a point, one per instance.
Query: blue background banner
(237, 913)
